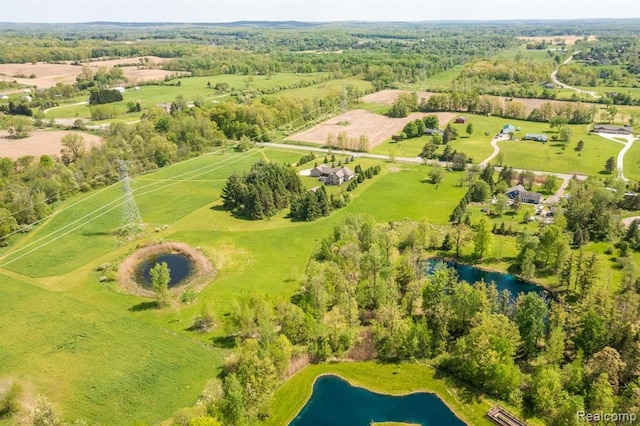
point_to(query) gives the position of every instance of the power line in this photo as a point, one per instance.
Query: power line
(131, 220)
(240, 157)
(207, 169)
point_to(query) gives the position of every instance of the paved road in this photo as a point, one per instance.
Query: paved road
(627, 220)
(627, 145)
(554, 77)
(413, 160)
(496, 149)
(64, 106)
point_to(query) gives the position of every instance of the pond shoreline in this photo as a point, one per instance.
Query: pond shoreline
(544, 287)
(401, 394)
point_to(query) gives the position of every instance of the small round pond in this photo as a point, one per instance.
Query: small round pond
(335, 402)
(472, 275)
(180, 266)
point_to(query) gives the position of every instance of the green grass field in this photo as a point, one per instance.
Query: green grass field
(192, 87)
(87, 347)
(632, 162)
(393, 379)
(551, 156)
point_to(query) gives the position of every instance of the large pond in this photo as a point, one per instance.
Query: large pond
(335, 402)
(503, 281)
(180, 266)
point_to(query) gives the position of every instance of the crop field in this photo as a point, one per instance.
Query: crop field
(40, 143)
(388, 96)
(567, 39)
(378, 128)
(135, 365)
(48, 75)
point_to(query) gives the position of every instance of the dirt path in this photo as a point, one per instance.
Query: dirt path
(554, 77)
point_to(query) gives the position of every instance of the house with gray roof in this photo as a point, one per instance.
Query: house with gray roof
(616, 130)
(525, 196)
(332, 176)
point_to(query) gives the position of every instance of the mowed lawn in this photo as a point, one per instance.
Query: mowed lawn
(632, 162)
(89, 347)
(394, 379)
(477, 145)
(551, 156)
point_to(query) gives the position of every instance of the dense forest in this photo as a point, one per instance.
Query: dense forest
(366, 295)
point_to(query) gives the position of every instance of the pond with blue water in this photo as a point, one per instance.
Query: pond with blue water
(180, 266)
(334, 402)
(472, 275)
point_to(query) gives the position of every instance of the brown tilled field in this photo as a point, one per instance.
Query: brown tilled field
(48, 75)
(377, 128)
(569, 40)
(39, 143)
(388, 97)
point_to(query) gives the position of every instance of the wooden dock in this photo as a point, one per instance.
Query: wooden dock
(502, 417)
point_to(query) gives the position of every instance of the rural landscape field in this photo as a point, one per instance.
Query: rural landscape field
(305, 223)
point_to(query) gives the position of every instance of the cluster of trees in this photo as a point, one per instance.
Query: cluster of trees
(361, 175)
(592, 211)
(343, 141)
(486, 72)
(306, 158)
(20, 109)
(104, 96)
(17, 126)
(313, 205)
(266, 189)
(404, 104)
(572, 112)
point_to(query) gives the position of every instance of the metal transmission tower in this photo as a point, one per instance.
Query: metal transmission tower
(131, 219)
(344, 104)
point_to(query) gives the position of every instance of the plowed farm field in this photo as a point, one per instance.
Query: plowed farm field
(378, 128)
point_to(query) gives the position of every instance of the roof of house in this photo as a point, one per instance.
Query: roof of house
(325, 169)
(518, 188)
(527, 195)
(535, 136)
(345, 171)
(614, 129)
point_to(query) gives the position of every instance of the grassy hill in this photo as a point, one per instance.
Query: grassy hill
(92, 350)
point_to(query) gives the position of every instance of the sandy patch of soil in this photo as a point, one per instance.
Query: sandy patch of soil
(388, 97)
(378, 128)
(40, 143)
(48, 75)
(201, 276)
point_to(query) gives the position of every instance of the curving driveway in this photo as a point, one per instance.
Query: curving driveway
(627, 146)
(496, 149)
(554, 77)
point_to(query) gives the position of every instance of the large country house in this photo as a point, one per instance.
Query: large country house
(332, 176)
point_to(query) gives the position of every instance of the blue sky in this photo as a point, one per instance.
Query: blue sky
(309, 10)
